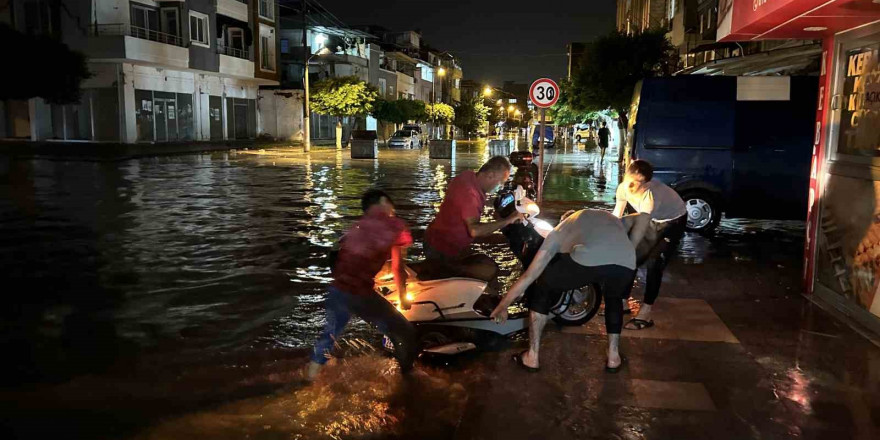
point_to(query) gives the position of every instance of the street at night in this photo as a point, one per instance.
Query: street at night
(424, 219)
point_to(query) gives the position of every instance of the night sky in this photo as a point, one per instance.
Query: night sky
(495, 40)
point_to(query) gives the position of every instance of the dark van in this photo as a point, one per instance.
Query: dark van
(737, 145)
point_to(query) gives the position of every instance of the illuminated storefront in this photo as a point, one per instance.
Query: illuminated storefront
(842, 249)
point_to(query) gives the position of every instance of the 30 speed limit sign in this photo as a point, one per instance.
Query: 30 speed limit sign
(544, 93)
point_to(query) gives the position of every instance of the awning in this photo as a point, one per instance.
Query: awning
(712, 46)
(774, 62)
(743, 20)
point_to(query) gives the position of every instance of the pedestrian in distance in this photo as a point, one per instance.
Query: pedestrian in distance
(451, 233)
(587, 247)
(668, 221)
(364, 249)
(604, 133)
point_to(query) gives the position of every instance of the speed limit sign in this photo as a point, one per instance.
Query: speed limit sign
(544, 93)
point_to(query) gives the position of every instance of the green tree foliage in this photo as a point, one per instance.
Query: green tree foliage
(400, 111)
(470, 115)
(614, 64)
(44, 68)
(440, 112)
(342, 96)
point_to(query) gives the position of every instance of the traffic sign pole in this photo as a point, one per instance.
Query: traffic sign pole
(543, 93)
(541, 159)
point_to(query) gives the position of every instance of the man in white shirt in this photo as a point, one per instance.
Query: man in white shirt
(668, 221)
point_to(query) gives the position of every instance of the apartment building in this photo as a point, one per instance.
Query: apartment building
(162, 71)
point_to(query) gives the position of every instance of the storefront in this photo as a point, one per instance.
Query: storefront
(842, 247)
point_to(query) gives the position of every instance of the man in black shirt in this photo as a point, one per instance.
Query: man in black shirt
(604, 134)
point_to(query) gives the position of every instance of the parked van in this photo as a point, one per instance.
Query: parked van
(737, 145)
(548, 136)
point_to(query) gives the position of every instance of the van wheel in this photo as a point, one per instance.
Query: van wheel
(703, 211)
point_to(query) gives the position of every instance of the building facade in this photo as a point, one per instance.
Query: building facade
(162, 71)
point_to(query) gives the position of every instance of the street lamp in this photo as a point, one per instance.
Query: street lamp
(307, 135)
(487, 91)
(440, 73)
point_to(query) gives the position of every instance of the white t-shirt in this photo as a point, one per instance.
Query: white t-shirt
(658, 200)
(592, 238)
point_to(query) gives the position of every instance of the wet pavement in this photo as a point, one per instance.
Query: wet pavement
(176, 298)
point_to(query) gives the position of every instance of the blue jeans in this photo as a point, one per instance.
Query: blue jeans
(373, 309)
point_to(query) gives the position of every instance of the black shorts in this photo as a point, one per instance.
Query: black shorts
(564, 274)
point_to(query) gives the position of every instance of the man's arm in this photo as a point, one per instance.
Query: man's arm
(539, 263)
(619, 208)
(398, 268)
(477, 229)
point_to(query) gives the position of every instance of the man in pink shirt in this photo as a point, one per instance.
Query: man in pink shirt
(449, 236)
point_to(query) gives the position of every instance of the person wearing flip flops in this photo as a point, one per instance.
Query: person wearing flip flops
(587, 247)
(668, 221)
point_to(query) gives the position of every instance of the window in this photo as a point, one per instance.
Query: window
(169, 22)
(236, 38)
(285, 45)
(267, 48)
(383, 86)
(267, 9)
(198, 29)
(144, 22)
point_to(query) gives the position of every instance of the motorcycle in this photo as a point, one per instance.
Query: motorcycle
(451, 314)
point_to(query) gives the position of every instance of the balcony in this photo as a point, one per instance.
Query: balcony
(123, 41)
(236, 62)
(237, 9)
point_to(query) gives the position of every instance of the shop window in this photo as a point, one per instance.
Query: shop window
(859, 133)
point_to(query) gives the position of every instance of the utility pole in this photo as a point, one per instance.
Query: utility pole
(307, 141)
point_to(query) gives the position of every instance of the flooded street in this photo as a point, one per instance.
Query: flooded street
(175, 297)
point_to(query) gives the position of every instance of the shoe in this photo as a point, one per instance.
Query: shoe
(312, 371)
(638, 324)
(518, 359)
(615, 370)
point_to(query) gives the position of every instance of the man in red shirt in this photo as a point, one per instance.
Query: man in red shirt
(365, 248)
(455, 227)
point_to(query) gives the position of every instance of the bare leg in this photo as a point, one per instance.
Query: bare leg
(613, 350)
(537, 322)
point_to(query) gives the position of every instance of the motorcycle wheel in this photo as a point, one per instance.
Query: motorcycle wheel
(578, 306)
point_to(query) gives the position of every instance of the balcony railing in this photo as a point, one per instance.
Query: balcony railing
(234, 52)
(135, 31)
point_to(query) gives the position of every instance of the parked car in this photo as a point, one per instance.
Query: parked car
(737, 145)
(405, 139)
(548, 136)
(583, 134)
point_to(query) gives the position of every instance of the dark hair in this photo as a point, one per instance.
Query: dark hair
(498, 164)
(373, 197)
(642, 168)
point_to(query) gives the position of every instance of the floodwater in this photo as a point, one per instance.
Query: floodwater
(194, 254)
(150, 288)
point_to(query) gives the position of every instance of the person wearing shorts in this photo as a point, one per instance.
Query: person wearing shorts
(587, 247)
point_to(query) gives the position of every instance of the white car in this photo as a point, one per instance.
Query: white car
(408, 139)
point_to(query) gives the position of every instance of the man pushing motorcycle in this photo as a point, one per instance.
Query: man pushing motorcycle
(457, 224)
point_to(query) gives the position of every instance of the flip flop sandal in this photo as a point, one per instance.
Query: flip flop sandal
(615, 370)
(518, 359)
(638, 324)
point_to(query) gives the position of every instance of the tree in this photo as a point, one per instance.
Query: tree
(440, 112)
(400, 111)
(340, 97)
(613, 66)
(45, 68)
(470, 115)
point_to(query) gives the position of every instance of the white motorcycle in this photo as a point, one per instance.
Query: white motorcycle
(451, 315)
